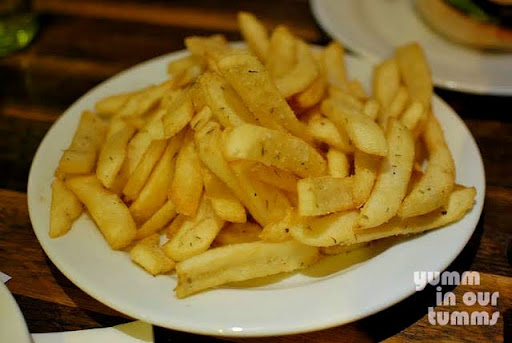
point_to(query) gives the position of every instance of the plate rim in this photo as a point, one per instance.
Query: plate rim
(249, 332)
(457, 86)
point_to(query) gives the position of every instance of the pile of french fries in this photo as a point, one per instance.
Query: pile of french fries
(260, 160)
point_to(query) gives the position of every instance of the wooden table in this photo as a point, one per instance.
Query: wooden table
(83, 42)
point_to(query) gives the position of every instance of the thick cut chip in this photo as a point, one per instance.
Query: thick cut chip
(366, 135)
(324, 231)
(393, 178)
(195, 235)
(139, 144)
(109, 106)
(324, 194)
(112, 156)
(144, 100)
(140, 175)
(65, 208)
(255, 34)
(187, 183)
(154, 193)
(459, 202)
(395, 108)
(437, 182)
(338, 163)
(415, 73)
(158, 221)
(273, 148)
(333, 61)
(268, 202)
(275, 177)
(309, 97)
(356, 89)
(200, 46)
(371, 109)
(345, 98)
(223, 201)
(323, 130)
(303, 74)
(236, 233)
(413, 116)
(201, 118)
(81, 155)
(366, 167)
(255, 87)
(149, 255)
(209, 146)
(386, 81)
(278, 231)
(177, 117)
(106, 208)
(238, 262)
(281, 53)
(224, 102)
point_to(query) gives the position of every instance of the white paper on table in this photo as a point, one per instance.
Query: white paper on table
(133, 332)
(4, 277)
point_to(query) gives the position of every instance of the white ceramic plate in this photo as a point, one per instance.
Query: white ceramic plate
(297, 304)
(373, 28)
(12, 323)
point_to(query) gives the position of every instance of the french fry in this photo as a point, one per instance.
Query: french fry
(195, 235)
(281, 52)
(264, 101)
(273, 148)
(395, 108)
(176, 67)
(366, 135)
(371, 109)
(301, 76)
(64, 209)
(386, 81)
(325, 231)
(157, 222)
(237, 233)
(109, 106)
(226, 105)
(392, 180)
(149, 255)
(268, 203)
(177, 116)
(279, 178)
(240, 262)
(80, 157)
(154, 193)
(202, 46)
(106, 208)
(309, 97)
(224, 203)
(356, 89)
(413, 115)
(112, 156)
(346, 98)
(143, 101)
(338, 163)
(278, 231)
(140, 175)
(415, 73)
(323, 130)
(324, 194)
(187, 184)
(366, 168)
(459, 202)
(334, 62)
(437, 182)
(255, 34)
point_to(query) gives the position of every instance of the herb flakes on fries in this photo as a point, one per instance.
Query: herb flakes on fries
(256, 161)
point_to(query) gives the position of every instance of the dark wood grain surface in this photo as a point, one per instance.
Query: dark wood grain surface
(83, 42)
